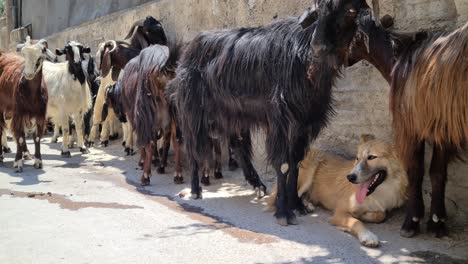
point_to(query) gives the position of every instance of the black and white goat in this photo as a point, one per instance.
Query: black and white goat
(69, 93)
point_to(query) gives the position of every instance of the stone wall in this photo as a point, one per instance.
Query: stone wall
(3, 33)
(361, 95)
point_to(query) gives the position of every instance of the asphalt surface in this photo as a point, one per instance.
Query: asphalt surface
(91, 209)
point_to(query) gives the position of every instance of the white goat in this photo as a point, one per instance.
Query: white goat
(69, 94)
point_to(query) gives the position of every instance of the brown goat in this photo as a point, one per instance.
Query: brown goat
(139, 98)
(23, 94)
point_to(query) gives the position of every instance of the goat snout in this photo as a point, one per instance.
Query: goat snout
(352, 178)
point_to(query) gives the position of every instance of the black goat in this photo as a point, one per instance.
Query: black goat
(231, 81)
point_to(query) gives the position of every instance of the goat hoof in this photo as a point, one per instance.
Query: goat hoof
(410, 228)
(124, 143)
(205, 180)
(161, 170)
(292, 220)
(89, 144)
(84, 151)
(145, 181)
(66, 154)
(18, 165)
(1, 160)
(105, 143)
(38, 164)
(282, 221)
(301, 209)
(132, 152)
(178, 179)
(54, 140)
(233, 165)
(218, 175)
(196, 195)
(6, 150)
(437, 228)
(261, 191)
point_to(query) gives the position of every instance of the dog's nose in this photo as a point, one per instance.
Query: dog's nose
(352, 178)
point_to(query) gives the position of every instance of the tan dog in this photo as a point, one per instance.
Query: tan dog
(360, 190)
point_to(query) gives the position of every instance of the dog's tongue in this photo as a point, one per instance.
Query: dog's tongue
(362, 191)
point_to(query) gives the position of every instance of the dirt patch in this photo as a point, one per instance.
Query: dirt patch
(64, 201)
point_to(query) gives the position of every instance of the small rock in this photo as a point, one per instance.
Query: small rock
(49, 193)
(31, 195)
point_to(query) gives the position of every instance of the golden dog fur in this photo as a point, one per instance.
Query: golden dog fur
(323, 181)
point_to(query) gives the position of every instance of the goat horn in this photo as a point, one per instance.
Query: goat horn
(113, 44)
(138, 23)
(375, 10)
(122, 42)
(43, 42)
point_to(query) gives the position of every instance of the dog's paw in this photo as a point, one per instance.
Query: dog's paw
(187, 194)
(368, 239)
(309, 207)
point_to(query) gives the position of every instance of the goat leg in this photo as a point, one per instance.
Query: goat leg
(415, 207)
(145, 178)
(218, 167)
(165, 150)
(176, 140)
(438, 173)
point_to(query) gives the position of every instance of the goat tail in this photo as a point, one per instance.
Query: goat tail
(145, 111)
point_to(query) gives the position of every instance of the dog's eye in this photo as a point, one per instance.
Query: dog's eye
(371, 157)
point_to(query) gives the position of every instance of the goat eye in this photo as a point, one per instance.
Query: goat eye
(371, 157)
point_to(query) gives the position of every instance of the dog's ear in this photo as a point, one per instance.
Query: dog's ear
(366, 138)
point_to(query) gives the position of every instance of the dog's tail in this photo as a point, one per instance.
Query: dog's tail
(307, 170)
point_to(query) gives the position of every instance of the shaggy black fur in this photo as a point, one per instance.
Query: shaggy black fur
(231, 81)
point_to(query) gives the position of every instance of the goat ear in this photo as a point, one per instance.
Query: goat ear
(50, 55)
(86, 50)
(309, 17)
(59, 52)
(366, 138)
(106, 63)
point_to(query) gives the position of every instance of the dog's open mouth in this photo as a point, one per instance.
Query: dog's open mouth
(367, 188)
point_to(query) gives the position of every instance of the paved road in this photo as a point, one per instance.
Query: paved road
(90, 209)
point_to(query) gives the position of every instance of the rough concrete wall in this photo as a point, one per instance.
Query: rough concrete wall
(361, 96)
(50, 16)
